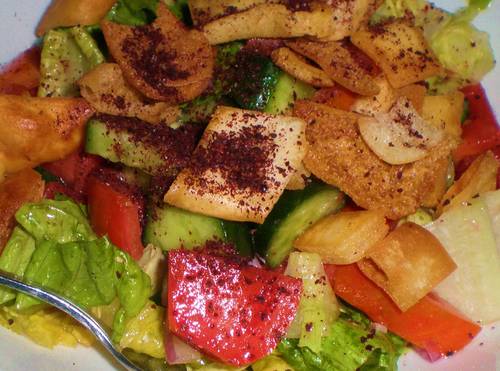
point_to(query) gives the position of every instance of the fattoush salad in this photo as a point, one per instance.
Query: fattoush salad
(261, 185)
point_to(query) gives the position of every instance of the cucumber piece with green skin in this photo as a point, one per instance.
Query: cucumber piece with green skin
(287, 90)
(155, 149)
(252, 80)
(118, 146)
(67, 54)
(170, 228)
(294, 212)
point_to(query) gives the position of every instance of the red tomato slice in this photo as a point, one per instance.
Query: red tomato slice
(431, 324)
(74, 169)
(22, 75)
(116, 212)
(481, 131)
(231, 311)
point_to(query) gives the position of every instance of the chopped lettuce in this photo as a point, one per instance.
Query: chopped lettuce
(133, 12)
(15, 258)
(461, 47)
(271, 363)
(351, 345)
(68, 259)
(398, 9)
(67, 54)
(48, 327)
(60, 221)
(144, 333)
(318, 307)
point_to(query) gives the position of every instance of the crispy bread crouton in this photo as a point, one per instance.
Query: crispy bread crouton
(163, 60)
(338, 155)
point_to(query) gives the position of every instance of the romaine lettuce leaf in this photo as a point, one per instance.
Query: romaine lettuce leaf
(89, 273)
(351, 345)
(133, 12)
(65, 256)
(60, 221)
(144, 332)
(15, 258)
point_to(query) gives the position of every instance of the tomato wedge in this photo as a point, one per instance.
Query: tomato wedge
(481, 131)
(233, 312)
(74, 169)
(22, 75)
(116, 211)
(431, 324)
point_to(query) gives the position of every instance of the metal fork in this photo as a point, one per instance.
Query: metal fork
(74, 311)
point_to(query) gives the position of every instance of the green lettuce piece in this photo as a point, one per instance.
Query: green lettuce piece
(15, 258)
(90, 274)
(67, 54)
(398, 9)
(133, 12)
(271, 363)
(351, 345)
(60, 221)
(461, 47)
(144, 333)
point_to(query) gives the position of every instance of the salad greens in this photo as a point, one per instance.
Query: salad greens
(67, 54)
(65, 256)
(133, 12)
(352, 344)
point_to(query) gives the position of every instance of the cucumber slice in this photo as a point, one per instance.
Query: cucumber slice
(287, 90)
(294, 212)
(155, 149)
(119, 146)
(170, 228)
(252, 80)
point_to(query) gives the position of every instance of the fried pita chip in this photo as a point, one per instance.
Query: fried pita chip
(163, 60)
(65, 13)
(107, 91)
(298, 67)
(342, 63)
(407, 264)
(400, 51)
(338, 155)
(37, 130)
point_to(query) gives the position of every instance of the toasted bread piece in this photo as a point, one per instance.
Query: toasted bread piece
(164, 60)
(342, 62)
(445, 111)
(65, 13)
(241, 166)
(338, 155)
(298, 67)
(107, 91)
(407, 264)
(37, 130)
(270, 21)
(400, 51)
(204, 11)
(345, 237)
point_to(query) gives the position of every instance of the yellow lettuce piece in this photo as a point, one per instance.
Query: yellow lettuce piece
(48, 327)
(144, 333)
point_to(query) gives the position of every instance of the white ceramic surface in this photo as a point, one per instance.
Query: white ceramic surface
(19, 18)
